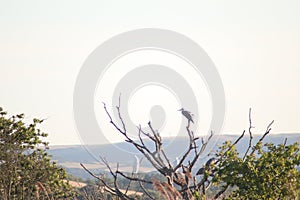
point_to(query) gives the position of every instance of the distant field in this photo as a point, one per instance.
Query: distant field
(70, 157)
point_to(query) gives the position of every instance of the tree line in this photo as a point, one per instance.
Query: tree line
(263, 171)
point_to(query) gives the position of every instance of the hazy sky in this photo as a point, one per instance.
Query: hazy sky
(255, 46)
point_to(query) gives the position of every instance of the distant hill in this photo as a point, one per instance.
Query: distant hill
(123, 153)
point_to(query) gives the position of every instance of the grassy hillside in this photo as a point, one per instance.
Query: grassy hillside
(122, 153)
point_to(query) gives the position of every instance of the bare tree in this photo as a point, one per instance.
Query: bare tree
(183, 180)
(180, 184)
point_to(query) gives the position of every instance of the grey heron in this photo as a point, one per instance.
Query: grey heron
(200, 171)
(187, 114)
(210, 162)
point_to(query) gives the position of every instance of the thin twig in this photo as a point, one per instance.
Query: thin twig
(133, 178)
(145, 191)
(250, 133)
(268, 130)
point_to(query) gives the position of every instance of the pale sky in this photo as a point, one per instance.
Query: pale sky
(255, 46)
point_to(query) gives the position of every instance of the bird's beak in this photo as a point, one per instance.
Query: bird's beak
(179, 110)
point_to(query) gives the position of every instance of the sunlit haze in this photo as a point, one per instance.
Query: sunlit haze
(254, 45)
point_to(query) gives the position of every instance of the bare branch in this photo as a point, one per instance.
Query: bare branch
(203, 147)
(250, 133)
(221, 192)
(145, 191)
(160, 160)
(119, 113)
(268, 130)
(112, 122)
(115, 176)
(111, 190)
(133, 178)
(191, 146)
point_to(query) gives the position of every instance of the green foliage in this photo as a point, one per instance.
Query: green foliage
(26, 171)
(268, 173)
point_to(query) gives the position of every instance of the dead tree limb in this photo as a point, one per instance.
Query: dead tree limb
(158, 158)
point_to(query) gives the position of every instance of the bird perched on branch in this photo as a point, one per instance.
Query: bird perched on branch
(187, 114)
(207, 166)
(210, 162)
